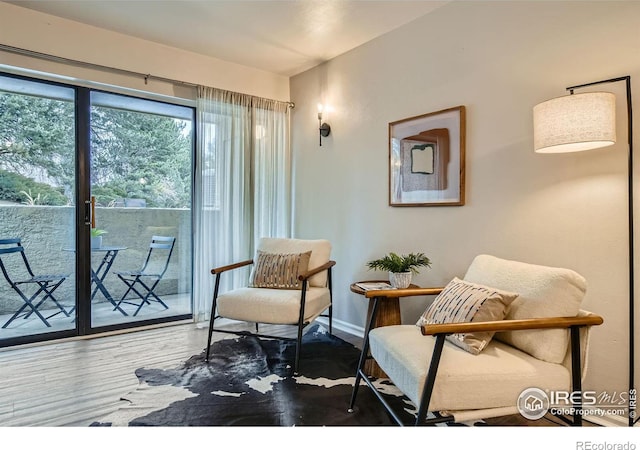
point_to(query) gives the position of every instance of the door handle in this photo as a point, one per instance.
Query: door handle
(87, 212)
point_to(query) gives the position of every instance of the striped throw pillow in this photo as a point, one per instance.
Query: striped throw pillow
(461, 301)
(279, 270)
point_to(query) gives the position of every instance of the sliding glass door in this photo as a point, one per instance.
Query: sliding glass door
(141, 201)
(95, 211)
(37, 208)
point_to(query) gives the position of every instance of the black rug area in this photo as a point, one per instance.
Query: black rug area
(250, 382)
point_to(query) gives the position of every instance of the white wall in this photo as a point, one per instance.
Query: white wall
(498, 59)
(27, 29)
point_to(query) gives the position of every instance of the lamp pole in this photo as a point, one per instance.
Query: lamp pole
(630, 209)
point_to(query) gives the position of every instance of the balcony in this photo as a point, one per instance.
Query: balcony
(47, 234)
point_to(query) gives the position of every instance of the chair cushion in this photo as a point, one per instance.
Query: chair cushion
(461, 301)
(494, 378)
(276, 306)
(543, 292)
(278, 270)
(320, 253)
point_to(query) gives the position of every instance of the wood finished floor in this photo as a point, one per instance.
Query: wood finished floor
(75, 382)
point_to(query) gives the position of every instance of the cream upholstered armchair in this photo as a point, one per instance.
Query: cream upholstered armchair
(290, 284)
(506, 327)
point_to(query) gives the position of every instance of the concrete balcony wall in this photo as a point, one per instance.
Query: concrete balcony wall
(48, 235)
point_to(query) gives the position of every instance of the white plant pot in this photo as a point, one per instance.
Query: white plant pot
(400, 280)
(96, 241)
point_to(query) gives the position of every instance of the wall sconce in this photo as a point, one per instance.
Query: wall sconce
(324, 128)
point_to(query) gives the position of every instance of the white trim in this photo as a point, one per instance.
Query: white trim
(343, 326)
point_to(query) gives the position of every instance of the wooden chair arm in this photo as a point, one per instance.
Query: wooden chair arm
(394, 293)
(512, 325)
(231, 266)
(308, 274)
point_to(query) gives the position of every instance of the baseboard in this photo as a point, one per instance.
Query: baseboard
(343, 326)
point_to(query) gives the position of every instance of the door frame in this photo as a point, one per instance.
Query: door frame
(83, 306)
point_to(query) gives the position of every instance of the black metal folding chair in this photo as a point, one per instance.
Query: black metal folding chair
(143, 282)
(46, 284)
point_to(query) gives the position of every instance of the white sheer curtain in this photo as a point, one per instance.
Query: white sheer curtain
(272, 169)
(242, 185)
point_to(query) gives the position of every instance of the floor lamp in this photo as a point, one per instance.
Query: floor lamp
(586, 121)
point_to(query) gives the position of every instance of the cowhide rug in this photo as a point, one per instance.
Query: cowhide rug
(249, 382)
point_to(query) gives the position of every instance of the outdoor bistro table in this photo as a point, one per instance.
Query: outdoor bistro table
(100, 273)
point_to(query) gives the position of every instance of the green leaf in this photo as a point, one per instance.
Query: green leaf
(393, 262)
(95, 232)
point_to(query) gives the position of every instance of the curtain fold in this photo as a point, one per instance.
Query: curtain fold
(242, 185)
(272, 170)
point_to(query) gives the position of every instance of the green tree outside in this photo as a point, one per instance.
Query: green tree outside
(133, 154)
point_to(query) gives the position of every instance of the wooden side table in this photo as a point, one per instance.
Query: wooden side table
(388, 314)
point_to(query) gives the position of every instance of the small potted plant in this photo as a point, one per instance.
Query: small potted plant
(400, 268)
(96, 237)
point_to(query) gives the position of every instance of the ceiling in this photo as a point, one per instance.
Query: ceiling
(280, 36)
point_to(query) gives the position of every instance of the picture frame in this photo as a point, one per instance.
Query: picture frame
(427, 159)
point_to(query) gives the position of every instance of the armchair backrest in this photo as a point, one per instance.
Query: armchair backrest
(320, 253)
(543, 292)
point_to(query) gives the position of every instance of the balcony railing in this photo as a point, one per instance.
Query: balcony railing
(48, 236)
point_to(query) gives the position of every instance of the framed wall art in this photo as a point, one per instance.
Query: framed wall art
(426, 159)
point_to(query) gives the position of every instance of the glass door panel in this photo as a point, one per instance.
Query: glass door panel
(37, 209)
(141, 169)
